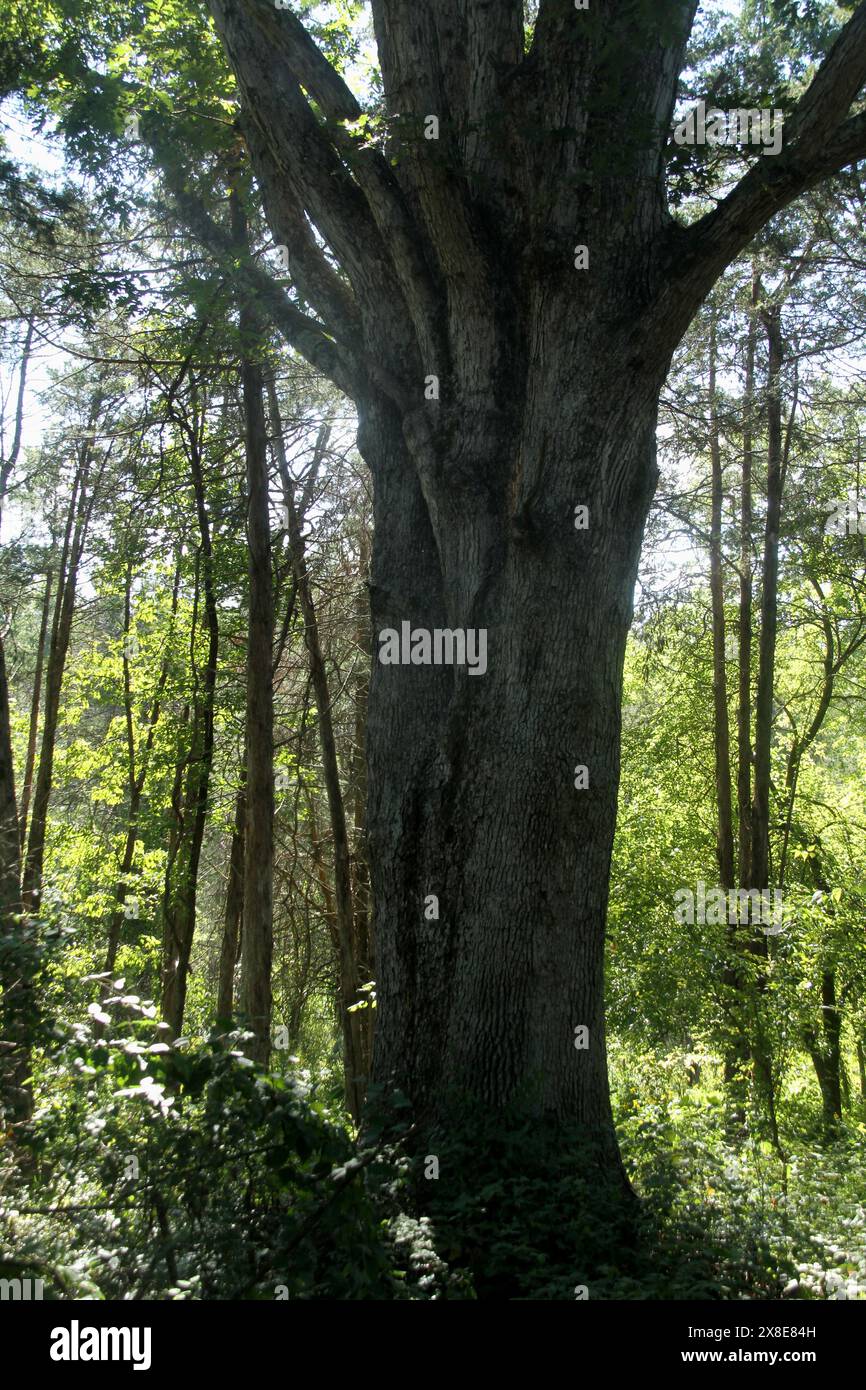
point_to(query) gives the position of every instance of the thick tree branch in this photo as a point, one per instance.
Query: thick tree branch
(406, 240)
(825, 104)
(414, 47)
(333, 360)
(415, 43)
(617, 45)
(305, 163)
(601, 89)
(314, 277)
(286, 35)
(371, 170)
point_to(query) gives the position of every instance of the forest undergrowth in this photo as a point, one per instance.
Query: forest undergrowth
(184, 1171)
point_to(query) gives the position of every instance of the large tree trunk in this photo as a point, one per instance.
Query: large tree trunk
(548, 378)
(472, 778)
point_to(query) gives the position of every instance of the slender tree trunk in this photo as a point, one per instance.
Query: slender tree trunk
(825, 1049)
(181, 903)
(363, 946)
(824, 1041)
(354, 1026)
(33, 731)
(760, 850)
(136, 773)
(80, 508)
(16, 995)
(233, 916)
(744, 700)
(721, 727)
(182, 889)
(10, 857)
(760, 843)
(8, 463)
(175, 849)
(737, 1050)
(258, 901)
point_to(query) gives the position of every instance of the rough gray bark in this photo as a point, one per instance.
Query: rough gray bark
(458, 262)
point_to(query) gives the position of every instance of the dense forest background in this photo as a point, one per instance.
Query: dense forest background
(187, 527)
